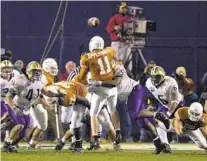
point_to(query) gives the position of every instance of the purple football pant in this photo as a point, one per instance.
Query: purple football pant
(4, 108)
(136, 103)
(22, 120)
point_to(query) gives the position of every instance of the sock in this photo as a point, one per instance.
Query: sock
(63, 140)
(157, 141)
(96, 138)
(162, 134)
(8, 140)
(6, 133)
(118, 131)
(77, 133)
(118, 136)
(32, 142)
(73, 139)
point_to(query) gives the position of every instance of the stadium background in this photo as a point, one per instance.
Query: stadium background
(180, 39)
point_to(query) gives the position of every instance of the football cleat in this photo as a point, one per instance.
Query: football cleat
(31, 146)
(5, 147)
(72, 146)
(117, 147)
(13, 149)
(78, 147)
(93, 145)
(59, 146)
(159, 148)
(163, 118)
(118, 137)
(167, 148)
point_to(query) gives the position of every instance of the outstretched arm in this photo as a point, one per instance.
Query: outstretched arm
(83, 101)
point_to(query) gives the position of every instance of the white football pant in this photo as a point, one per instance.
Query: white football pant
(103, 95)
(39, 114)
(66, 114)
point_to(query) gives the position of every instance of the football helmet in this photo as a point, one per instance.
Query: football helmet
(148, 68)
(96, 42)
(34, 71)
(157, 75)
(6, 68)
(50, 66)
(195, 111)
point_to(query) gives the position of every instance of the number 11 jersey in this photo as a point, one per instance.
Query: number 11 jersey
(99, 63)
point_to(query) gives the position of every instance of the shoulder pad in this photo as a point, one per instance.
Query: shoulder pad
(19, 80)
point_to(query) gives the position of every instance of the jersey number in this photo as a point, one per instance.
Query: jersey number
(5, 90)
(165, 102)
(30, 93)
(101, 64)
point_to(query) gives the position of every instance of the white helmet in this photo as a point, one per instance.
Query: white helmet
(50, 66)
(195, 111)
(96, 42)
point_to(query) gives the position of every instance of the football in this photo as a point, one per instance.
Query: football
(93, 22)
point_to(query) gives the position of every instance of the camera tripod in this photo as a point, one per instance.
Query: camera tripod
(137, 59)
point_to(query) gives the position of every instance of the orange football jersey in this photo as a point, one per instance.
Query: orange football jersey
(71, 89)
(99, 63)
(75, 79)
(182, 114)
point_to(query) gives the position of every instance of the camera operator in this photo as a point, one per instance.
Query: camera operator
(114, 27)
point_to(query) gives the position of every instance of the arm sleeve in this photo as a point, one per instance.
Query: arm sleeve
(111, 52)
(83, 101)
(84, 68)
(110, 25)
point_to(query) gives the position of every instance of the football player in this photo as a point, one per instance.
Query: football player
(75, 96)
(24, 92)
(165, 90)
(40, 113)
(191, 121)
(6, 76)
(99, 62)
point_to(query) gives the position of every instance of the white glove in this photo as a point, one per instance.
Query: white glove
(17, 111)
(95, 83)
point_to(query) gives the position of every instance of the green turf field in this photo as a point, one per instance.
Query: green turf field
(103, 155)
